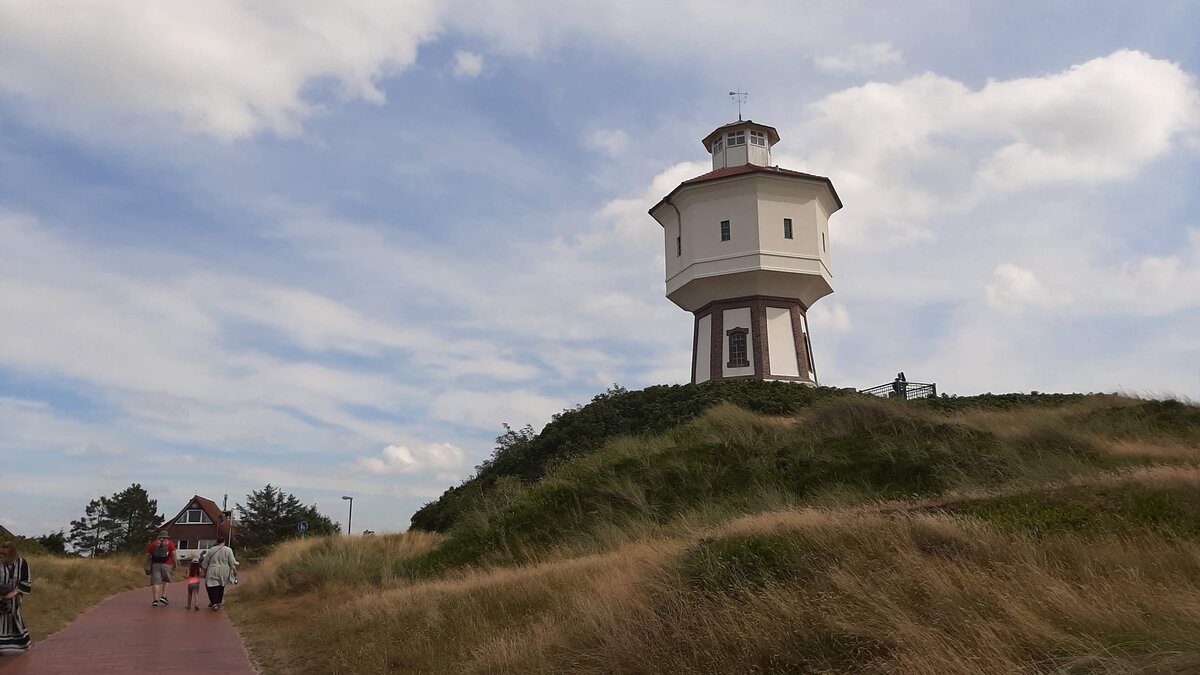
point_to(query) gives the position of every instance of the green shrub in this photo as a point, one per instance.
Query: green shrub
(586, 428)
(1172, 420)
(1172, 510)
(738, 564)
(729, 461)
(990, 401)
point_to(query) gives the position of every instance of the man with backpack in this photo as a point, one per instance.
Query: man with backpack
(160, 560)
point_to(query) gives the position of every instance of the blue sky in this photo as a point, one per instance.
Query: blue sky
(334, 246)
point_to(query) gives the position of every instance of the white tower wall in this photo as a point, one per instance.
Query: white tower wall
(703, 370)
(781, 343)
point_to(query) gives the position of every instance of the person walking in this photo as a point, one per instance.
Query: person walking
(160, 556)
(219, 568)
(14, 583)
(193, 583)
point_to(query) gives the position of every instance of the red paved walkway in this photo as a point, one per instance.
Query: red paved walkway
(124, 634)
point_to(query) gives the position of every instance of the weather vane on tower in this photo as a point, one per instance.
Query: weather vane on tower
(738, 97)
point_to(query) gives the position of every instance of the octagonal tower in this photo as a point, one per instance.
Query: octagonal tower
(747, 250)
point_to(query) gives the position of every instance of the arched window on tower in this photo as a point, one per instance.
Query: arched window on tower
(738, 355)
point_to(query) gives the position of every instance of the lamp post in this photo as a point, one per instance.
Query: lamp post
(349, 518)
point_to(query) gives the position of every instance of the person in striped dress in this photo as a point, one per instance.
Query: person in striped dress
(14, 583)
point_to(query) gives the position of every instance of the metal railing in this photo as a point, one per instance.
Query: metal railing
(907, 391)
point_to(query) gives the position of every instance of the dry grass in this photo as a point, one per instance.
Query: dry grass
(313, 562)
(1141, 439)
(864, 590)
(63, 588)
(952, 581)
(1010, 423)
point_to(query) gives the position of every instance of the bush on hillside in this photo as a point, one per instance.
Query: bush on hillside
(1166, 509)
(990, 401)
(732, 461)
(1169, 419)
(585, 428)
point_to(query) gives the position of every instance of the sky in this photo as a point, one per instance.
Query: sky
(334, 246)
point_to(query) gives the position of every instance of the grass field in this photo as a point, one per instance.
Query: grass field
(1057, 535)
(63, 588)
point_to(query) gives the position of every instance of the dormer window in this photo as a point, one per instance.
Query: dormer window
(758, 138)
(718, 146)
(736, 138)
(194, 515)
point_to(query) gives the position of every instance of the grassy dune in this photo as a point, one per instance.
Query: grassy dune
(63, 588)
(1057, 535)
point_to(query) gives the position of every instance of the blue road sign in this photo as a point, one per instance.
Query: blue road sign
(302, 526)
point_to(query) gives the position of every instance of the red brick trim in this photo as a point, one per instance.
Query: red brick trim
(745, 300)
(799, 320)
(716, 345)
(695, 342)
(758, 319)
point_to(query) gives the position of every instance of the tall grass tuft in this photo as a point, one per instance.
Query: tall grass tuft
(309, 563)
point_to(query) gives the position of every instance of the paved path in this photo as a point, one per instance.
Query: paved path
(124, 634)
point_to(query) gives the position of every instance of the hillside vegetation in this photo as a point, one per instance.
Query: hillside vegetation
(1036, 533)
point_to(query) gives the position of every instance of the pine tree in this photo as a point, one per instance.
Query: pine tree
(270, 515)
(86, 536)
(134, 519)
(53, 542)
(123, 523)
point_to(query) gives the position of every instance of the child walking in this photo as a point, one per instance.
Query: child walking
(193, 576)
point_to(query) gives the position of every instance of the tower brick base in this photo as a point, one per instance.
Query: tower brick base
(776, 340)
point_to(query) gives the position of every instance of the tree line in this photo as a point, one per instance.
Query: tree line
(123, 522)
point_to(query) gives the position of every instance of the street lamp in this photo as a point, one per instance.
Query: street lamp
(349, 518)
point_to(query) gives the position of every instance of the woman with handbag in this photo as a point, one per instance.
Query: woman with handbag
(219, 568)
(14, 583)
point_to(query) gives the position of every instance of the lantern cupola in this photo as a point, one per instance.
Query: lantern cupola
(741, 142)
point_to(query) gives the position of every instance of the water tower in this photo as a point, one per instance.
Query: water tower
(747, 250)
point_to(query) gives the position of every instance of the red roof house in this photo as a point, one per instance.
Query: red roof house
(198, 524)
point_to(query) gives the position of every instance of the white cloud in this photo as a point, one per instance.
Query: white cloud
(1014, 287)
(224, 68)
(861, 58)
(667, 32)
(488, 409)
(467, 64)
(402, 459)
(611, 142)
(905, 156)
(831, 316)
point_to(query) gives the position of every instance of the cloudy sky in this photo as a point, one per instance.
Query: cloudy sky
(333, 246)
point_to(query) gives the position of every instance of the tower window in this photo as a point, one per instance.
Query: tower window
(736, 138)
(758, 138)
(738, 356)
(724, 230)
(718, 146)
(787, 228)
(822, 241)
(678, 246)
